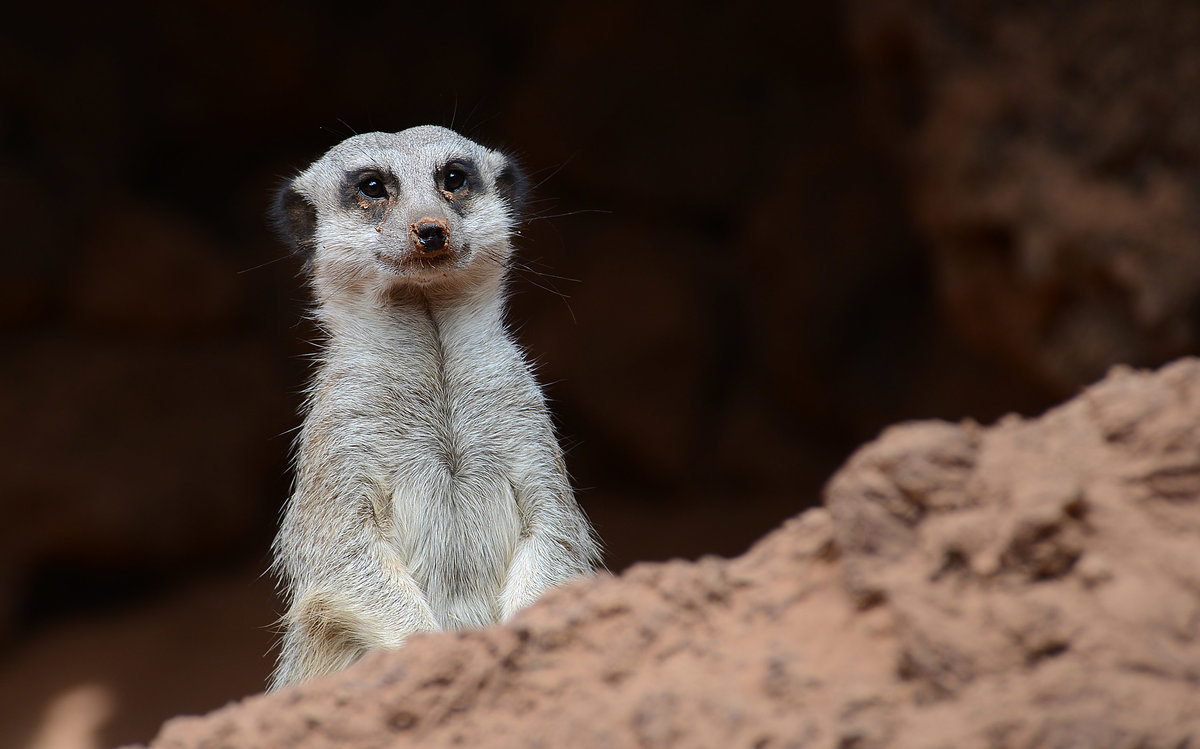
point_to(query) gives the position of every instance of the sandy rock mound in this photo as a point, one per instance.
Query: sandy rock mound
(1036, 583)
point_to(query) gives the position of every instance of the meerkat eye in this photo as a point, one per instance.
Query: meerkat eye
(454, 178)
(371, 186)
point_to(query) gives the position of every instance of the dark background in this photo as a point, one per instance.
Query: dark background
(762, 234)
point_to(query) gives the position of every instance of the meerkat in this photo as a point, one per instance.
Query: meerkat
(430, 492)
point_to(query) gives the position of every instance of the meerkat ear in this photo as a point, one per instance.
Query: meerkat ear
(295, 219)
(513, 186)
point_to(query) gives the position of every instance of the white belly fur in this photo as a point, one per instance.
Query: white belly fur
(456, 533)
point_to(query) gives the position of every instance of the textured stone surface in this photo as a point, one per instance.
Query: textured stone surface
(1034, 583)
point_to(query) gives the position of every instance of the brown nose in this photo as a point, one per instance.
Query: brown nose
(429, 235)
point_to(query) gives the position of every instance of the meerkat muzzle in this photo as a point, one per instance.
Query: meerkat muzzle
(429, 235)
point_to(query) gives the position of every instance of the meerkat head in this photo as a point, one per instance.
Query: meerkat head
(384, 210)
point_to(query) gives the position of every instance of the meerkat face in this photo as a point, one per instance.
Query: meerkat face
(421, 206)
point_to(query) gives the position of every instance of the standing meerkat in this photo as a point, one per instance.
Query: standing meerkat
(430, 492)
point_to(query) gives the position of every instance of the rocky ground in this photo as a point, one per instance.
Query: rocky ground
(1031, 584)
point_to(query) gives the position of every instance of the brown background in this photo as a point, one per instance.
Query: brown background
(766, 232)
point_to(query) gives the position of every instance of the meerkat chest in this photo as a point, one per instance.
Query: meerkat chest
(455, 417)
(436, 413)
(459, 410)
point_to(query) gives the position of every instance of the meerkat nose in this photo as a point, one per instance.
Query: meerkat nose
(429, 234)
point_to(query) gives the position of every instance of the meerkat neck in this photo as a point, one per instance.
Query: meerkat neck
(376, 317)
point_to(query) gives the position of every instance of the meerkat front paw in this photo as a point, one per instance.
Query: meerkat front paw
(523, 586)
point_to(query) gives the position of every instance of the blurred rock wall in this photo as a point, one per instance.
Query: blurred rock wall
(1052, 160)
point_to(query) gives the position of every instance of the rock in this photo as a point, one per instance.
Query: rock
(1052, 164)
(1033, 583)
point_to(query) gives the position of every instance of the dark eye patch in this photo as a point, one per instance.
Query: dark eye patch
(371, 185)
(454, 180)
(368, 191)
(456, 177)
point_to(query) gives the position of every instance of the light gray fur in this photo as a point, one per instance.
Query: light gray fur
(430, 491)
